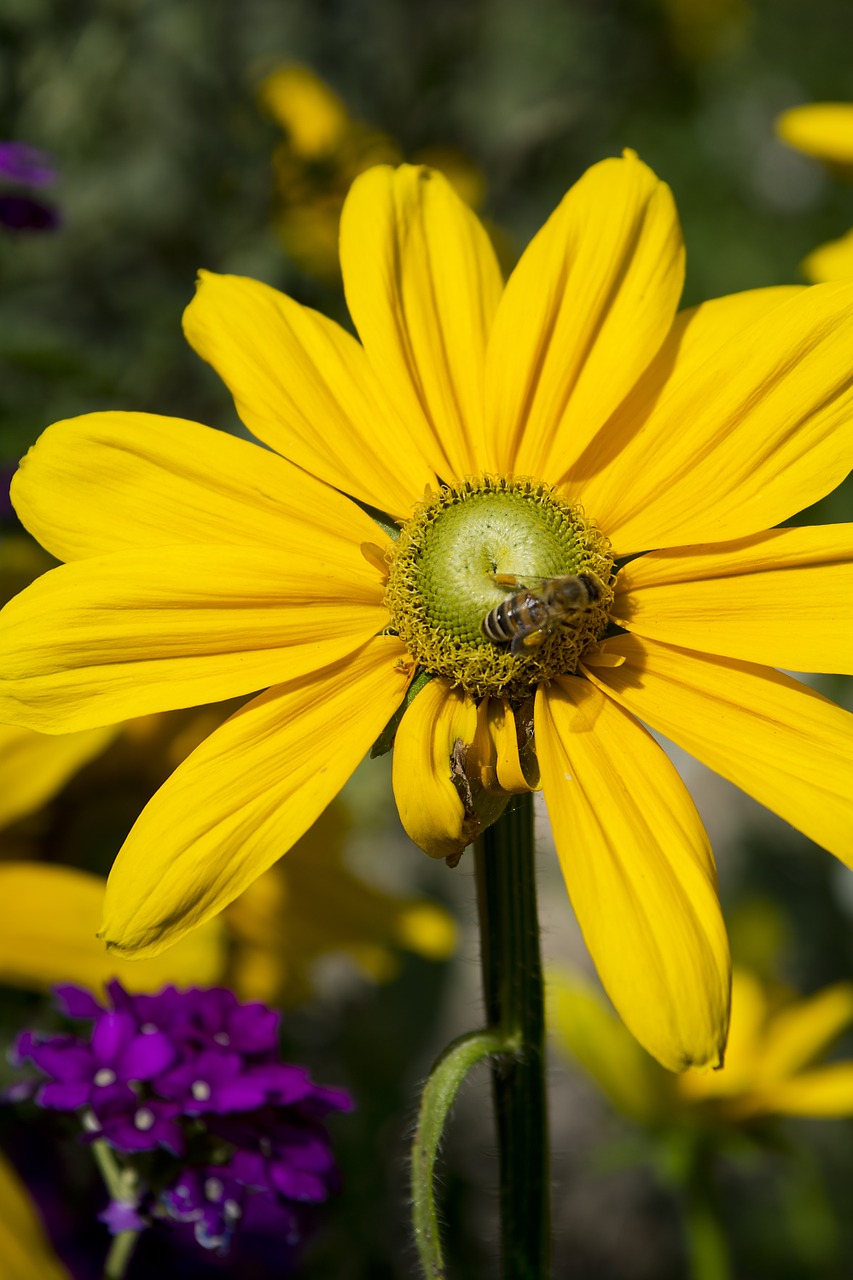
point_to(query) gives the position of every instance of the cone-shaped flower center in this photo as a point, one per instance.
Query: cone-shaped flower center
(498, 584)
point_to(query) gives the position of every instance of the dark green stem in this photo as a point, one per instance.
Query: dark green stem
(707, 1249)
(512, 987)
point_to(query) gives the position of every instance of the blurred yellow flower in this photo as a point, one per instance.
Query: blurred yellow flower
(824, 130)
(774, 1058)
(25, 1251)
(324, 150)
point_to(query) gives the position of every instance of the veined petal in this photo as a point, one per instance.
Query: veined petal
(784, 598)
(639, 871)
(246, 795)
(771, 736)
(822, 129)
(583, 313)
(95, 484)
(802, 1032)
(744, 1046)
(144, 631)
(826, 1091)
(49, 917)
(599, 475)
(304, 386)
(34, 766)
(24, 1245)
(430, 806)
(741, 441)
(422, 284)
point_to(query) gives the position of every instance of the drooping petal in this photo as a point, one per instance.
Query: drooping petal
(304, 386)
(430, 805)
(246, 795)
(152, 630)
(422, 283)
(741, 441)
(49, 916)
(773, 737)
(584, 312)
(784, 598)
(806, 1029)
(639, 872)
(95, 484)
(33, 766)
(24, 1245)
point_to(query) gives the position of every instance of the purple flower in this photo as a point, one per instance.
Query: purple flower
(221, 1082)
(118, 1055)
(26, 165)
(134, 1124)
(119, 1216)
(26, 213)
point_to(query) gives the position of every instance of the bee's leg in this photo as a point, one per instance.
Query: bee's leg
(529, 640)
(506, 580)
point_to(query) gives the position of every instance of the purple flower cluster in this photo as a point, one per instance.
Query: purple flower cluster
(20, 211)
(192, 1079)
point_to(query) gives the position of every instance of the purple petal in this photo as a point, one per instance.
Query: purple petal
(250, 1169)
(76, 1002)
(23, 163)
(297, 1184)
(64, 1097)
(63, 1060)
(253, 1028)
(119, 1217)
(147, 1056)
(284, 1084)
(112, 1032)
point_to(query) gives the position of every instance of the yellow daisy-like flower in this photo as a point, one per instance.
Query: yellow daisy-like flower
(824, 130)
(552, 428)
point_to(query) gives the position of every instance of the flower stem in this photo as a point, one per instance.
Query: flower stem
(512, 987)
(438, 1097)
(119, 1255)
(706, 1241)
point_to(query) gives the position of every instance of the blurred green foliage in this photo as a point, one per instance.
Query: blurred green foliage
(165, 159)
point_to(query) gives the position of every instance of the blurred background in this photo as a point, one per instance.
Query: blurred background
(198, 133)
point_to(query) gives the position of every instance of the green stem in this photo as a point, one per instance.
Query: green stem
(119, 1255)
(707, 1249)
(438, 1097)
(121, 1185)
(512, 987)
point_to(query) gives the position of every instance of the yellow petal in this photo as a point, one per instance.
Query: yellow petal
(422, 283)
(304, 386)
(314, 118)
(822, 129)
(830, 261)
(33, 766)
(49, 917)
(742, 440)
(784, 598)
(584, 312)
(600, 475)
(24, 1245)
(95, 484)
(429, 804)
(744, 1047)
(824, 1092)
(604, 1047)
(246, 795)
(639, 872)
(775, 738)
(804, 1030)
(102, 640)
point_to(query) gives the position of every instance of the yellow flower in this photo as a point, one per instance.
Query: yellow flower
(824, 130)
(821, 129)
(204, 567)
(324, 150)
(774, 1057)
(25, 1250)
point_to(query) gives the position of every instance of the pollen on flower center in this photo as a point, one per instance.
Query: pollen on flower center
(471, 547)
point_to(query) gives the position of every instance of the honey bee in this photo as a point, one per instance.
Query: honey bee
(527, 619)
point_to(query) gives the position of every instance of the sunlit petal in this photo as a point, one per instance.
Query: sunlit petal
(775, 738)
(639, 871)
(422, 283)
(304, 386)
(584, 312)
(104, 481)
(246, 795)
(784, 598)
(143, 631)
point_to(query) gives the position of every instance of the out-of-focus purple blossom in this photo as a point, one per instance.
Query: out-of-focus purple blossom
(26, 213)
(192, 1079)
(23, 163)
(119, 1216)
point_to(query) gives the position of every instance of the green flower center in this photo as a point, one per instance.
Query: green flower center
(513, 555)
